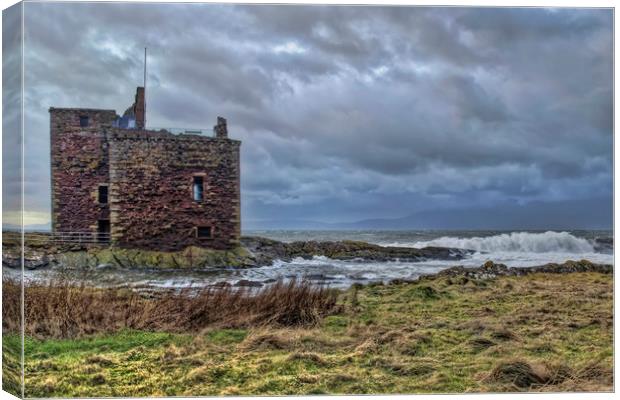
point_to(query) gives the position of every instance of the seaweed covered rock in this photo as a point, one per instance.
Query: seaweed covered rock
(491, 270)
(267, 250)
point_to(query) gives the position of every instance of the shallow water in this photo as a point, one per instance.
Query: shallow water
(515, 249)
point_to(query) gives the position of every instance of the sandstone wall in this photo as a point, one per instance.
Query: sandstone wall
(151, 177)
(79, 164)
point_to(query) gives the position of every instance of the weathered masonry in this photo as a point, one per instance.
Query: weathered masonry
(118, 182)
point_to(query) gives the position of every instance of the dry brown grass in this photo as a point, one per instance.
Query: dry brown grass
(521, 374)
(263, 340)
(65, 310)
(393, 341)
(11, 306)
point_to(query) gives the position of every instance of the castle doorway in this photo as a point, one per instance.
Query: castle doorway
(103, 230)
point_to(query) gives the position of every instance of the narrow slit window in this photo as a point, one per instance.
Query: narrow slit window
(198, 188)
(204, 232)
(83, 120)
(103, 194)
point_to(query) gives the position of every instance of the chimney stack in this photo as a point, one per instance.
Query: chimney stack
(221, 131)
(138, 108)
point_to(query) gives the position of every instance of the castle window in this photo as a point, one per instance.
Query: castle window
(198, 188)
(83, 120)
(204, 232)
(103, 194)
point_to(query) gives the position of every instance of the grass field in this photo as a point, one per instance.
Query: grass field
(540, 332)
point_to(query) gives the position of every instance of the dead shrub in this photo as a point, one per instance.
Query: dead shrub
(66, 310)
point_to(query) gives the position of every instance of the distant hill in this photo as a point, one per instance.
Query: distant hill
(578, 214)
(29, 228)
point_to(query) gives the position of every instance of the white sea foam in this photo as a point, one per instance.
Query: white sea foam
(547, 242)
(518, 249)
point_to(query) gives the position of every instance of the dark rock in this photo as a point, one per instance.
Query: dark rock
(247, 283)
(491, 270)
(36, 262)
(319, 277)
(604, 244)
(267, 250)
(11, 262)
(398, 281)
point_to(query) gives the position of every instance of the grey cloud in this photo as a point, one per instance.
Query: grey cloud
(347, 112)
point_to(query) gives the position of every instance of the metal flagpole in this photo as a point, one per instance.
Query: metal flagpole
(145, 88)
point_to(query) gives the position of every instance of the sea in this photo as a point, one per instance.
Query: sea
(513, 248)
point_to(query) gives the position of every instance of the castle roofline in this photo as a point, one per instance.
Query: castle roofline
(79, 109)
(162, 134)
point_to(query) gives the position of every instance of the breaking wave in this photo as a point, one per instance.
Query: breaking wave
(547, 242)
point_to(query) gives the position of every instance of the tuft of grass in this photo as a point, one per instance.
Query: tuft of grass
(423, 292)
(519, 373)
(504, 335)
(479, 344)
(307, 357)
(263, 340)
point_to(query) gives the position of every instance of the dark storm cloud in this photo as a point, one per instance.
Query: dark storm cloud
(347, 112)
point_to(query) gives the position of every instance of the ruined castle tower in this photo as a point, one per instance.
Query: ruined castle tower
(118, 182)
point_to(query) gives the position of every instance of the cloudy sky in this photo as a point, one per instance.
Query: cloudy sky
(349, 113)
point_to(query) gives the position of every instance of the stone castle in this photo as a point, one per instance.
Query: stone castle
(124, 184)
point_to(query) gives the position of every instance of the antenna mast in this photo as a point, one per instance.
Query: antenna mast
(145, 88)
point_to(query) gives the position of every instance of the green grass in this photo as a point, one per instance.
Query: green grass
(11, 364)
(437, 336)
(118, 343)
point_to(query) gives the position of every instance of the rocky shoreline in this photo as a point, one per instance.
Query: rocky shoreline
(253, 252)
(267, 250)
(464, 275)
(258, 251)
(491, 270)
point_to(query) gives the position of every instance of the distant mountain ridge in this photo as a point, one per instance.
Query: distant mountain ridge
(591, 214)
(578, 214)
